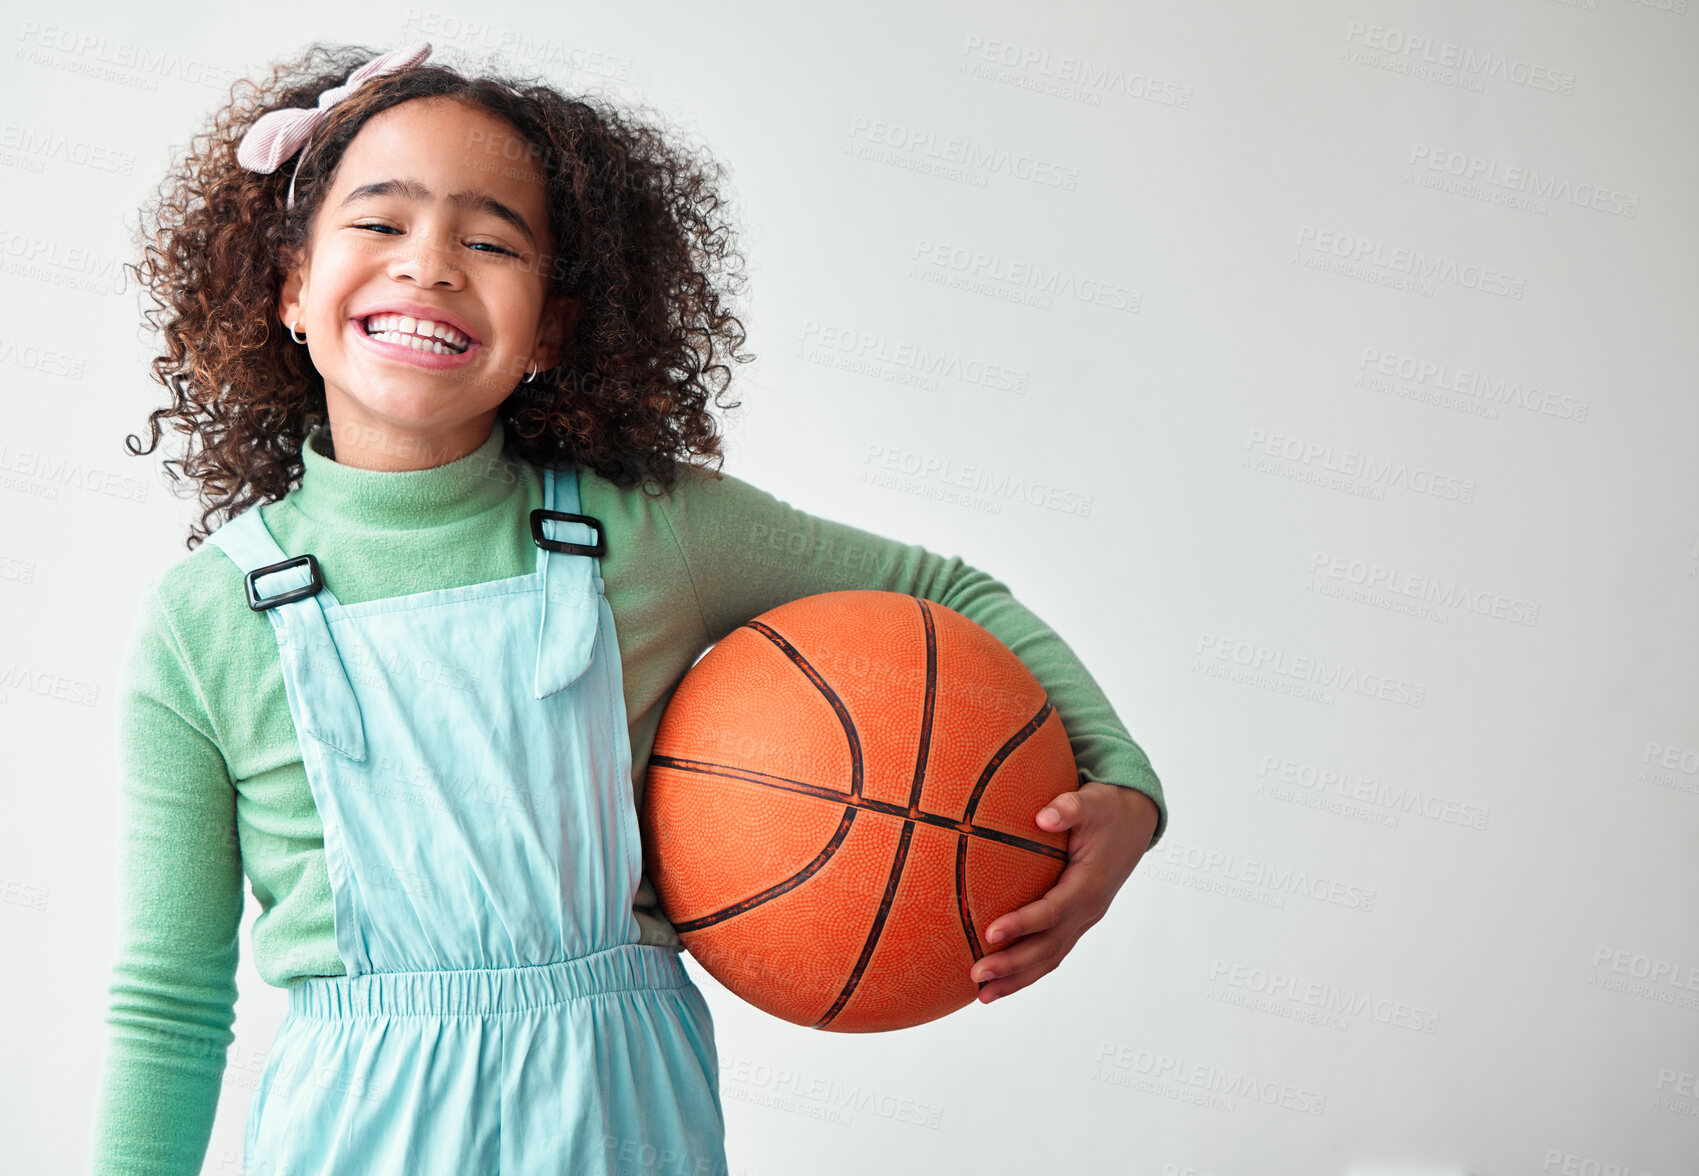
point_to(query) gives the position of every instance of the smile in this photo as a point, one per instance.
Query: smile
(399, 328)
(435, 346)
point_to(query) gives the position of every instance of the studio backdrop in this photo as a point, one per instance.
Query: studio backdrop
(1322, 372)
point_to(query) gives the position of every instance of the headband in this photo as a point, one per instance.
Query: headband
(278, 134)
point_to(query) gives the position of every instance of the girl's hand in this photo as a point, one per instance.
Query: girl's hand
(1112, 827)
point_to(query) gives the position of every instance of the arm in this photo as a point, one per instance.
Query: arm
(748, 551)
(173, 990)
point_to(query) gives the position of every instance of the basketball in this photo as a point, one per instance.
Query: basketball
(841, 799)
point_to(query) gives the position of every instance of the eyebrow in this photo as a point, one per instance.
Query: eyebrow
(414, 190)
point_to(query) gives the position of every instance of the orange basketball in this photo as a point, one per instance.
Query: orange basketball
(840, 800)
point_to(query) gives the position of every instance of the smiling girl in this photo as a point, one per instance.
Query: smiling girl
(445, 378)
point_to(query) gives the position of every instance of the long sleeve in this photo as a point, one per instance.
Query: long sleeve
(173, 989)
(747, 552)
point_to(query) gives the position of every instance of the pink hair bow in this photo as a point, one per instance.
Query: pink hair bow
(278, 134)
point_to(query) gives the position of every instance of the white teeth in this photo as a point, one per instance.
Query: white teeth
(414, 342)
(422, 334)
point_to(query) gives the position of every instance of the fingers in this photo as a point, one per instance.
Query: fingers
(1061, 813)
(1038, 915)
(1039, 934)
(1032, 950)
(1012, 970)
(1046, 911)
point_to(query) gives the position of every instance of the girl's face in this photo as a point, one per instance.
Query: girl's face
(437, 213)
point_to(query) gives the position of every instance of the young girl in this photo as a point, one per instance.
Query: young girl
(446, 344)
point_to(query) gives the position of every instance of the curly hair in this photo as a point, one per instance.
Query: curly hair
(640, 236)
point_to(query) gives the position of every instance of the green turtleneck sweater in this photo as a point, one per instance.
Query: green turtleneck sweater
(212, 786)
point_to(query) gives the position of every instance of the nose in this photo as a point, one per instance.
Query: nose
(428, 261)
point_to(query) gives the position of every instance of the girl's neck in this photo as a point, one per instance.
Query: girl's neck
(338, 494)
(362, 445)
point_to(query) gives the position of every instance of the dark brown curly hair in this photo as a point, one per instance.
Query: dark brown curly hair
(640, 237)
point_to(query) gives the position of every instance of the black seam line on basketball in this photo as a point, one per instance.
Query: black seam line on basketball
(962, 899)
(962, 904)
(882, 807)
(926, 708)
(795, 880)
(1003, 753)
(825, 688)
(873, 932)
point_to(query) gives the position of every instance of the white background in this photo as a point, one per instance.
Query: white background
(1377, 519)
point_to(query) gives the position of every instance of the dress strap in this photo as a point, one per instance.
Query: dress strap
(328, 711)
(572, 586)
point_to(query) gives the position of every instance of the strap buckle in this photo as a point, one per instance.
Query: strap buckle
(259, 605)
(599, 547)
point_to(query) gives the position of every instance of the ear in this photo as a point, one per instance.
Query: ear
(289, 296)
(560, 316)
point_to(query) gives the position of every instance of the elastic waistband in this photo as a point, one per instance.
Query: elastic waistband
(487, 991)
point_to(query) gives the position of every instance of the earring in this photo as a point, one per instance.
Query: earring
(292, 331)
(532, 374)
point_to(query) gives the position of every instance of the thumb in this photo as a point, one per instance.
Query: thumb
(1061, 813)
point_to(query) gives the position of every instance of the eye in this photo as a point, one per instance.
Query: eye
(392, 229)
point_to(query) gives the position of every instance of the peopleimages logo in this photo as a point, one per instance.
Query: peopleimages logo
(1304, 673)
(516, 44)
(1277, 774)
(1670, 766)
(1122, 1065)
(1645, 976)
(43, 361)
(1415, 49)
(975, 479)
(822, 1096)
(1277, 880)
(1562, 1163)
(924, 143)
(1415, 264)
(1677, 1090)
(78, 268)
(1323, 996)
(1407, 584)
(1652, 969)
(1030, 283)
(1523, 180)
(1354, 463)
(99, 55)
(1067, 75)
(35, 145)
(877, 354)
(1494, 390)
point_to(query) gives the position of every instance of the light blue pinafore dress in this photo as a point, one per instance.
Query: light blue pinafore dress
(468, 754)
